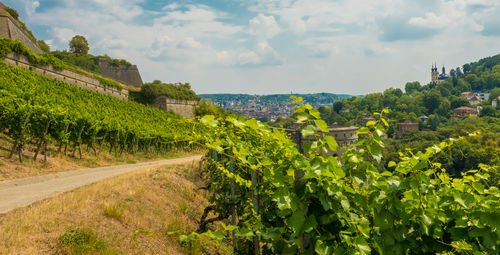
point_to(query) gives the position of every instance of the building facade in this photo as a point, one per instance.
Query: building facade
(406, 127)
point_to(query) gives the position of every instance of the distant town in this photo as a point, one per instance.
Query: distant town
(269, 107)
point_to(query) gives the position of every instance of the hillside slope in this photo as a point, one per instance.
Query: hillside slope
(38, 111)
(140, 213)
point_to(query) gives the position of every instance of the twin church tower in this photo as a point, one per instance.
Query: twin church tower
(437, 77)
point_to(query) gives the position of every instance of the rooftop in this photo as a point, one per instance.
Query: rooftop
(464, 108)
(336, 127)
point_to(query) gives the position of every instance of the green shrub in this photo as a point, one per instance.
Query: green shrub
(83, 241)
(150, 91)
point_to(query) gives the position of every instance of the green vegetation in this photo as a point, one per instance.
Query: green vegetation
(87, 62)
(206, 107)
(12, 13)
(84, 241)
(45, 48)
(287, 202)
(480, 148)
(437, 102)
(480, 76)
(434, 100)
(7, 46)
(79, 44)
(150, 91)
(38, 110)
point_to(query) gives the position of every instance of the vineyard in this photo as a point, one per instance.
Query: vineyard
(275, 200)
(38, 111)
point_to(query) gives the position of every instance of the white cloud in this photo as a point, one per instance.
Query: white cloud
(109, 43)
(430, 20)
(31, 7)
(263, 27)
(63, 35)
(334, 46)
(188, 43)
(262, 55)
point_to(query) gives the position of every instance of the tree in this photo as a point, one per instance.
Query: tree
(326, 114)
(473, 80)
(433, 122)
(458, 102)
(337, 106)
(432, 99)
(459, 72)
(494, 93)
(413, 86)
(79, 45)
(445, 88)
(488, 110)
(444, 108)
(466, 68)
(462, 86)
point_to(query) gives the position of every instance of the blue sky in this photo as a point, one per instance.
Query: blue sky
(275, 46)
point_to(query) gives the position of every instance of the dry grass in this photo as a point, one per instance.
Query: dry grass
(131, 213)
(12, 168)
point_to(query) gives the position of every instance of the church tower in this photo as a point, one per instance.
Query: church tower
(434, 73)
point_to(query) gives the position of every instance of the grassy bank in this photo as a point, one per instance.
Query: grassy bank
(137, 213)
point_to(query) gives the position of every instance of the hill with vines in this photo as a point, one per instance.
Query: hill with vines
(37, 110)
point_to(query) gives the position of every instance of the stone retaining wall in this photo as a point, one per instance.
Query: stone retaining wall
(184, 108)
(10, 28)
(125, 74)
(69, 76)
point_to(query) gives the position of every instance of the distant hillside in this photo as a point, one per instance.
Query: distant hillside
(316, 99)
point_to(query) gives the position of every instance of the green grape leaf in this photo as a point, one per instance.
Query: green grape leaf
(308, 131)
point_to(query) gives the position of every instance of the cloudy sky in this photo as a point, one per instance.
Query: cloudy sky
(275, 46)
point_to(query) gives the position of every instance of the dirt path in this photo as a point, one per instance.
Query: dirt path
(22, 192)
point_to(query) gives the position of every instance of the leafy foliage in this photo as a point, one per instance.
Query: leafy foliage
(83, 241)
(45, 48)
(88, 62)
(12, 13)
(314, 203)
(206, 107)
(150, 91)
(33, 107)
(7, 46)
(79, 44)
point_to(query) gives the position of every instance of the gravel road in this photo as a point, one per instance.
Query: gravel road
(25, 191)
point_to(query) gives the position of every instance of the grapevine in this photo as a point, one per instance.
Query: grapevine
(312, 203)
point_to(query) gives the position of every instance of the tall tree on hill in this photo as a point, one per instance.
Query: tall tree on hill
(410, 87)
(337, 106)
(79, 44)
(432, 99)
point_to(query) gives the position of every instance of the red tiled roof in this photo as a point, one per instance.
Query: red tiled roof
(2, 6)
